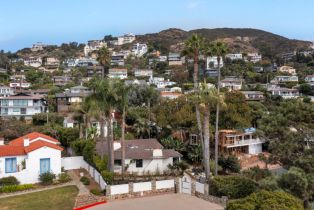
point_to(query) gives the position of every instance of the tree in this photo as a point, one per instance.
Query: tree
(104, 58)
(265, 200)
(218, 49)
(230, 164)
(194, 46)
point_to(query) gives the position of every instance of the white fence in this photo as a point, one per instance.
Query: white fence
(164, 184)
(199, 187)
(77, 162)
(119, 189)
(142, 186)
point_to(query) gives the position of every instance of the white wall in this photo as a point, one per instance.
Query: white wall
(255, 149)
(199, 187)
(151, 166)
(119, 189)
(142, 186)
(32, 160)
(164, 184)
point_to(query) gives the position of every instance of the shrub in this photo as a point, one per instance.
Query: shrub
(96, 191)
(232, 186)
(10, 180)
(64, 177)
(85, 180)
(256, 173)
(270, 184)
(47, 178)
(107, 176)
(265, 200)
(15, 188)
(231, 164)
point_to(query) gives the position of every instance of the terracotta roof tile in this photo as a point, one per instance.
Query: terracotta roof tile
(31, 136)
(39, 144)
(7, 150)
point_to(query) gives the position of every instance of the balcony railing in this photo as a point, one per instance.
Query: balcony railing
(242, 142)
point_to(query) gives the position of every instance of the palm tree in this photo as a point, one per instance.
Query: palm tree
(124, 90)
(194, 46)
(149, 94)
(218, 49)
(104, 58)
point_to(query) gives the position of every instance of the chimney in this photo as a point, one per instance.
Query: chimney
(1, 141)
(26, 142)
(157, 153)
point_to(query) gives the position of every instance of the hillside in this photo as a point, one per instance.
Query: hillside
(240, 40)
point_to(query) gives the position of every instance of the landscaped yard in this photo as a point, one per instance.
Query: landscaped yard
(56, 199)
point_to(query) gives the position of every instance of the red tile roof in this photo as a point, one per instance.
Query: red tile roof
(16, 146)
(31, 136)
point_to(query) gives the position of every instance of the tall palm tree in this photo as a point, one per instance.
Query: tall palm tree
(194, 46)
(124, 100)
(218, 49)
(149, 94)
(104, 58)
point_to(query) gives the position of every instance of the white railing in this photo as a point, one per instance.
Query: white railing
(244, 142)
(77, 162)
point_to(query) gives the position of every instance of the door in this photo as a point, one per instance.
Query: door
(44, 165)
(186, 186)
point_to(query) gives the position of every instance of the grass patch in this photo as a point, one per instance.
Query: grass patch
(56, 199)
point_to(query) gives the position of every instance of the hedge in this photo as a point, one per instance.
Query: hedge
(10, 180)
(15, 188)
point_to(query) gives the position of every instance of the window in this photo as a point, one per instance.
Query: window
(19, 102)
(23, 110)
(44, 165)
(139, 163)
(117, 162)
(10, 165)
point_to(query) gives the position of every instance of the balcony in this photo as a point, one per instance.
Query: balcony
(241, 142)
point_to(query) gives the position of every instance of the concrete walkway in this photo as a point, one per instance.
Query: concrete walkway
(76, 180)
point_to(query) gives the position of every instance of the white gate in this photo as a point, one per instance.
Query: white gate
(186, 185)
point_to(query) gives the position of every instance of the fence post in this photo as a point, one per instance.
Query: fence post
(130, 188)
(108, 191)
(193, 186)
(206, 189)
(177, 185)
(154, 185)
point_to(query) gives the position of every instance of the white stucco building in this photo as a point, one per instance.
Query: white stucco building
(6, 91)
(29, 156)
(116, 73)
(144, 156)
(94, 45)
(212, 62)
(234, 56)
(139, 49)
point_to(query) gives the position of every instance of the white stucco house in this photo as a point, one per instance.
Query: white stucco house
(29, 156)
(142, 156)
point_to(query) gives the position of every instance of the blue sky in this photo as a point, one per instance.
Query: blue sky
(23, 22)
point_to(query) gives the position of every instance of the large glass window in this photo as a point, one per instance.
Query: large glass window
(23, 110)
(10, 165)
(5, 102)
(44, 165)
(19, 102)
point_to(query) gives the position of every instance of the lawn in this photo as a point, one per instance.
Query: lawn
(56, 199)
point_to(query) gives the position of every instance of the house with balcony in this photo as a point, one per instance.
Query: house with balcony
(232, 83)
(94, 45)
(29, 156)
(310, 80)
(116, 73)
(253, 95)
(61, 80)
(212, 62)
(51, 62)
(38, 46)
(124, 39)
(234, 56)
(6, 91)
(142, 156)
(95, 71)
(143, 72)
(174, 59)
(71, 97)
(33, 62)
(284, 79)
(117, 60)
(139, 49)
(287, 69)
(285, 93)
(22, 105)
(235, 142)
(253, 57)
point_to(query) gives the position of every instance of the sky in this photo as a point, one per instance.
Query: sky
(24, 22)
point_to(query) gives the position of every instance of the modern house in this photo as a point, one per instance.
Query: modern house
(22, 105)
(51, 62)
(29, 156)
(287, 69)
(61, 80)
(142, 156)
(174, 59)
(125, 39)
(283, 79)
(143, 72)
(160, 82)
(33, 62)
(235, 142)
(253, 57)
(212, 62)
(71, 97)
(285, 93)
(6, 91)
(116, 73)
(95, 71)
(93, 45)
(254, 95)
(117, 60)
(232, 83)
(139, 49)
(135, 82)
(309, 78)
(38, 46)
(20, 84)
(234, 56)
(170, 95)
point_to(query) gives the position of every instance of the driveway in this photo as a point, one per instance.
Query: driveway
(160, 202)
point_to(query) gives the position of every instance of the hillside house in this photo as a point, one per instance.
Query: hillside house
(28, 156)
(22, 105)
(143, 72)
(253, 95)
(33, 62)
(284, 79)
(139, 49)
(212, 62)
(287, 69)
(6, 91)
(253, 57)
(125, 39)
(61, 80)
(234, 56)
(232, 83)
(285, 93)
(116, 73)
(174, 59)
(235, 142)
(94, 45)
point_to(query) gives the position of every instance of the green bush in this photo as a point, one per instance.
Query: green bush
(85, 180)
(256, 173)
(270, 183)
(96, 191)
(107, 176)
(232, 186)
(47, 178)
(64, 177)
(265, 200)
(10, 180)
(230, 164)
(15, 188)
